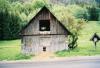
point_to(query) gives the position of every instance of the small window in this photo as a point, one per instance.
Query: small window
(44, 25)
(44, 48)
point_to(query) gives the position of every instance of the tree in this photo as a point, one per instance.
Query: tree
(9, 25)
(71, 23)
(1, 35)
(9, 21)
(81, 13)
(4, 5)
(94, 14)
(75, 27)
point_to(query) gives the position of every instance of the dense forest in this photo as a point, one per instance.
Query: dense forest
(14, 14)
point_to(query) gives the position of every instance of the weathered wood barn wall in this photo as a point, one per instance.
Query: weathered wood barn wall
(35, 40)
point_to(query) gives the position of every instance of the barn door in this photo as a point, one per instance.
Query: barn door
(45, 43)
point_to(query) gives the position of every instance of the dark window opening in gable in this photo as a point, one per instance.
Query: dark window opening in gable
(44, 25)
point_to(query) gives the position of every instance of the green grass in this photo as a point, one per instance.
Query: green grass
(85, 46)
(10, 43)
(82, 50)
(10, 50)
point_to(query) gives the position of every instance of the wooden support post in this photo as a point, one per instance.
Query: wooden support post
(95, 43)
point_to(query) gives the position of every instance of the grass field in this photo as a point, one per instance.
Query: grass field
(85, 46)
(10, 50)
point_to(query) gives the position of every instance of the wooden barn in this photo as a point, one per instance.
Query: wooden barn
(44, 33)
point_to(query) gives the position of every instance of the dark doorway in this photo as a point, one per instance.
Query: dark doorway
(44, 49)
(44, 25)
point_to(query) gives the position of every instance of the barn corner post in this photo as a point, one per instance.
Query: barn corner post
(22, 44)
(68, 42)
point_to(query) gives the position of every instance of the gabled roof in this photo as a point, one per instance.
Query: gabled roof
(44, 7)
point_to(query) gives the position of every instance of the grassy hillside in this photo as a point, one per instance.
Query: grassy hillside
(89, 29)
(85, 46)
